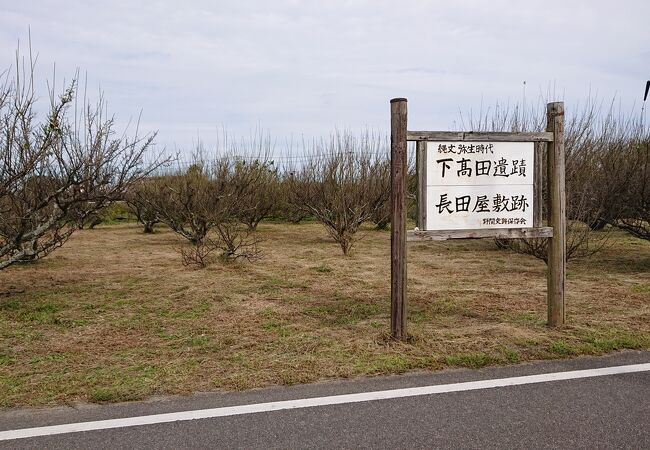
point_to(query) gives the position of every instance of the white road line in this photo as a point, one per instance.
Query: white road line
(317, 401)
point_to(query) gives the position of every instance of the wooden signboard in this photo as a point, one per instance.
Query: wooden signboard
(470, 188)
(477, 185)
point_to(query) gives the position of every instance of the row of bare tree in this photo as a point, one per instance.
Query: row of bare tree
(345, 181)
(217, 205)
(57, 173)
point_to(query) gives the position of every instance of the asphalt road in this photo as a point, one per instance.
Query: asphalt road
(611, 411)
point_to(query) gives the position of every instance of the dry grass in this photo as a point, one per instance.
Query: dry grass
(113, 315)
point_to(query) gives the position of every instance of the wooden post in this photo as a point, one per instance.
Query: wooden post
(421, 167)
(538, 178)
(398, 169)
(557, 215)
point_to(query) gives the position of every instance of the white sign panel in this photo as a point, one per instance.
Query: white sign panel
(475, 185)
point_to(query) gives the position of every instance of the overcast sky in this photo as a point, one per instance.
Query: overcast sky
(307, 67)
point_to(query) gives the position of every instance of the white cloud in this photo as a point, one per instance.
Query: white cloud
(307, 66)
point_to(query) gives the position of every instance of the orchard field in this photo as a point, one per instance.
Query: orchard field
(252, 265)
(113, 315)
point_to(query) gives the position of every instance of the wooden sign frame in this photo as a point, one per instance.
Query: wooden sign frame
(555, 230)
(537, 230)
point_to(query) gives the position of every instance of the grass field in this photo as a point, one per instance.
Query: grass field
(113, 315)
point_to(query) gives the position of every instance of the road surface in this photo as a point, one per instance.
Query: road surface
(582, 403)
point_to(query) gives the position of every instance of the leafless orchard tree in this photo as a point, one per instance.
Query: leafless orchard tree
(183, 201)
(603, 163)
(290, 198)
(260, 200)
(204, 205)
(581, 242)
(343, 184)
(635, 218)
(199, 255)
(380, 215)
(140, 208)
(56, 172)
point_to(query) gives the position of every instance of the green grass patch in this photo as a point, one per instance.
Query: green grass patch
(642, 288)
(113, 395)
(619, 341)
(52, 357)
(39, 312)
(194, 312)
(417, 315)
(474, 360)
(529, 318)
(7, 358)
(562, 348)
(199, 341)
(447, 307)
(512, 356)
(278, 327)
(10, 305)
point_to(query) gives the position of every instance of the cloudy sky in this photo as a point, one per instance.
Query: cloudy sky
(307, 67)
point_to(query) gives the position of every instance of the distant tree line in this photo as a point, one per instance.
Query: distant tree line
(607, 174)
(60, 173)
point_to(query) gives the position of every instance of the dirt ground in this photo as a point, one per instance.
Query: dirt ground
(113, 315)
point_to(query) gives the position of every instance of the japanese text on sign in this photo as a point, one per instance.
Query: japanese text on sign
(474, 185)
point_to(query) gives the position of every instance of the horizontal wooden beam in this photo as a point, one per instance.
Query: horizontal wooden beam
(471, 136)
(501, 233)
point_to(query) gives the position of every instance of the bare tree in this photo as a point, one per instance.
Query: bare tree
(343, 185)
(185, 202)
(135, 197)
(199, 255)
(380, 215)
(635, 217)
(205, 203)
(292, 202)
(236, 243)
(260, 199)
(581, 242)
(57, 172)
(256, 176)
(602, 163)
